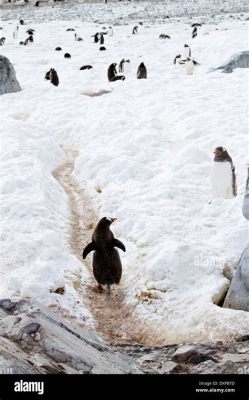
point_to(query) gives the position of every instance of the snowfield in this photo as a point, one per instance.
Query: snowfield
(145, 155)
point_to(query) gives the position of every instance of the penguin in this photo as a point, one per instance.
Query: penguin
(2, 41)
(112, 73)
(15, 33)
(96, 37)
(102, 48)
(31, 39)
(163, 36)
(21, 43)
(85, 67)
(134, 30)
(177, 59)
(142, 71)
(37, 3)
(195, 25)
(21, 22)
(106, 263)
(70, 30)
(30, 32)
(110, 31)
(26, 42)
(222, 175)
(77, 38)
(58, 49)
(186, 51)
(102, 40)
(67, 55)
(194, 33)
(53, 77)
(121, 65)
(189, 66)
(47, 76)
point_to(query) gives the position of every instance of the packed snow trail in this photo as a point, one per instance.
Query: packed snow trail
(113, 318)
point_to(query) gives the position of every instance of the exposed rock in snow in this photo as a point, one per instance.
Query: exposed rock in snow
(238, 293)
(245, 206)
(238, 60)
(34, 340)
(8, 81)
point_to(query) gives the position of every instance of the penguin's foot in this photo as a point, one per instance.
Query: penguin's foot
(98, 289)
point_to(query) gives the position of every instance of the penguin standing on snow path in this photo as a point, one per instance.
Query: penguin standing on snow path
(222, 176)
(107, 267)
(142, 71)
(186, 51)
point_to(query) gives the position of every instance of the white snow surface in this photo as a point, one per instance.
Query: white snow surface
(148, 145)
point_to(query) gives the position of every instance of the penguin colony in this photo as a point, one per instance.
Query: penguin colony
(106, 263)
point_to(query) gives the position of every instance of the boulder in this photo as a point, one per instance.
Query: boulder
(8, 81)
(238, 293)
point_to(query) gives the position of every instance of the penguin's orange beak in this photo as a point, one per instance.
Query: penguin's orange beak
(113, 219)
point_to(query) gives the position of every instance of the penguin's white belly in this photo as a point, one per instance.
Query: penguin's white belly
(221, 180)
(189, 68)
(127, 68)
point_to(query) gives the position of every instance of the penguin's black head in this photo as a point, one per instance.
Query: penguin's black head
(219, 151)
(107, 221)
(128, 61)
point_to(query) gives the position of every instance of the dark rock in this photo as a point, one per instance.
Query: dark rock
(7, 304)
(31, 328)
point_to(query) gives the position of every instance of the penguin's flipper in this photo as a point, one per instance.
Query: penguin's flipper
(117, 243)
(90, 247)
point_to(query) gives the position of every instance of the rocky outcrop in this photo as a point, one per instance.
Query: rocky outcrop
(238, 60)
(33, 340)
(197, 358)
(245, 206)
(8, 81)
(238, 293)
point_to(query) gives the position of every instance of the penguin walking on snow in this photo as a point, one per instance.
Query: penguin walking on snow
(107, 267)
(222, 176)
(186, 52)
(142, 71)
(190, 67)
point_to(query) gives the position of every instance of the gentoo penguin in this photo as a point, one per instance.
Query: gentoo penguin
(102, 48)
(67, 55)
(30, 31)
(96, 37)
(110, 31)
(2, 41)
(112, 73)
(177, 59)
(222, 176)
(142, 71)
(85, 67)
(195, 24)
(37, 3)
(194, 33)
(106, 263)
(15, 33)
(190, 67)
(47, 76)
(163, 36)
(21, 22)
(134, 30)
(58, 48)
(53, 77)
(102, 39)
(121, 65)
(77, 38)
(70, 29)
(186, 52)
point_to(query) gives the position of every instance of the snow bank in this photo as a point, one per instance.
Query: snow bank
(145, 156)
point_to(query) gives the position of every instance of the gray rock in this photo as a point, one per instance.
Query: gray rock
(245, 206)
(7, 304)
(34, 340)
(194, 354)
(238, 293)
(8, 81)
(238, 60)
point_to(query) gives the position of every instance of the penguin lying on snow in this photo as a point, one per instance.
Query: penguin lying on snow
(85, 67)
(107, 267)
(163, 36)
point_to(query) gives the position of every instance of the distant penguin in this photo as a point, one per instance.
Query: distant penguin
(142, 71)
(121, 65)
(112, 74)
(177, 59)
(30, 31)
(222, 176)
(21, 22)
(37, 3)
(186, 52)
(110, 31)
(58, 48)
(194, 33)
(195, 24)
(2, 41)
(96, 37)
(102, 48)
(127, 67)
(67, 55)
(77, 38)
(190, 67)
(85, 67)
(102, 39)
(15, 33)
(135, 30)
(106, 263)
(53, 77)
(163, 36)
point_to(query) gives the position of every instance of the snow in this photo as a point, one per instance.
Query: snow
(145, 155)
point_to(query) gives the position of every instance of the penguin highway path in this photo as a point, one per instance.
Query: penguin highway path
(113, 318)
